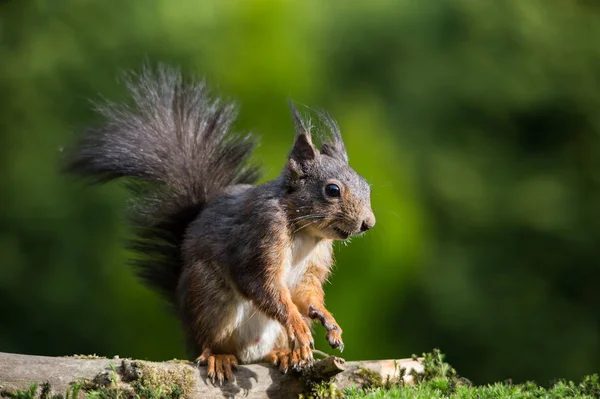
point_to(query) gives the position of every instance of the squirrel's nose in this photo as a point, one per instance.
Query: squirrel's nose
(368, 223)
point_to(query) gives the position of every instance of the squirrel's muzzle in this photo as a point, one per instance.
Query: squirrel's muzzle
(368, 222)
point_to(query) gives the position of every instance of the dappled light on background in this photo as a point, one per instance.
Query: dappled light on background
(475, 122)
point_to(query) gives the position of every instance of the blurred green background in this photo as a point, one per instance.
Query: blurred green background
(476, 122)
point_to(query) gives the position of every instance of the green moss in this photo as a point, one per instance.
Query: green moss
(316, 387)
(131, 379)
(368, 379)
(178, 380)
(321, 390)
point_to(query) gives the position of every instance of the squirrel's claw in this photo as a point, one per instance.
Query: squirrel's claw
(279, 358)
(286, 359)
(296, 359)
(334, 338)
(210, 370)
(284, 362)
(202, 360)
(300, 358)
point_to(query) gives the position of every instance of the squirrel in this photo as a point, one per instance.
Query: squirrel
(242, 263)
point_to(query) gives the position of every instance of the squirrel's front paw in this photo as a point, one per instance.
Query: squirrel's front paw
(301, 339)
(334, 332)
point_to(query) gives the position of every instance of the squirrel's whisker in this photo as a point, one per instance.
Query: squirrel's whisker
(302, 227)
(307, 217)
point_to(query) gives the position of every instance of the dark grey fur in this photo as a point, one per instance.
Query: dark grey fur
(176, 139)
(207, 237)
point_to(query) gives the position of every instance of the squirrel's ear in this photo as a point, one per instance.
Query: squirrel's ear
(302, 153)
(303, 150)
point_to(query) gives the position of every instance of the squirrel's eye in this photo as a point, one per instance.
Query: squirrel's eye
(332, 190)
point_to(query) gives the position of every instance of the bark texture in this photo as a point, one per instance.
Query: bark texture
(18, 372)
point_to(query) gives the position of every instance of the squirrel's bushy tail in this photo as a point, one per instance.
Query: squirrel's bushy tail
(175, 140)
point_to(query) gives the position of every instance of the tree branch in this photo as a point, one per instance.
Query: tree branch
(80, 373)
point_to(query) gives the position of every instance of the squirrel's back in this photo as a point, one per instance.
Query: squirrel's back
(175, 140)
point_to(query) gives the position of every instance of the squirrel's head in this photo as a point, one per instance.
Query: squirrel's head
(325, 196)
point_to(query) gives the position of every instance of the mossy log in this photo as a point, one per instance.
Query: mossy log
(172, 379)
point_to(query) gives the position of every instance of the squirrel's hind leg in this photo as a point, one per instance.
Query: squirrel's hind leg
(208, 311)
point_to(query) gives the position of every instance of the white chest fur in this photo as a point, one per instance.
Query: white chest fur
(302, 248)
(256, 330)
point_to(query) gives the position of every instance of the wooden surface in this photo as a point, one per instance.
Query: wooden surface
(251, 381)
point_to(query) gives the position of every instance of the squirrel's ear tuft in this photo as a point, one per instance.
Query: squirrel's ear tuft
(334, 146)
(300, 125)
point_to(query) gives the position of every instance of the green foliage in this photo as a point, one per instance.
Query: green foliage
(493, 391)
(434, 367)
(24, 394)
(440, 380)
(475, 121)
(44, 393)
